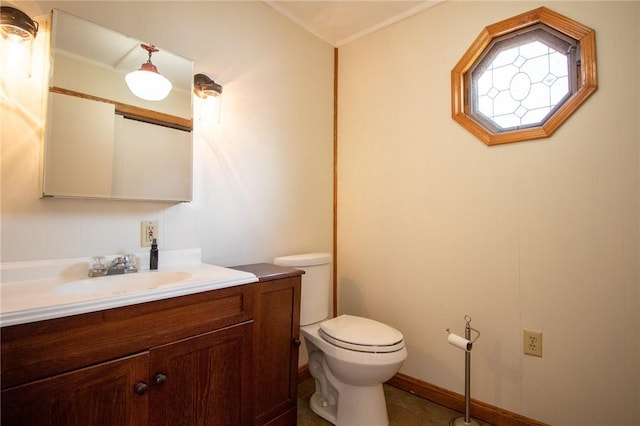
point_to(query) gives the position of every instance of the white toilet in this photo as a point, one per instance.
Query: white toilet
(349, 356)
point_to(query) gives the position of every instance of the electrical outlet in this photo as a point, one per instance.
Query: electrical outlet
(148, 231)
(532, 342)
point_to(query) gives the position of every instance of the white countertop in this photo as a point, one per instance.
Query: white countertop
(35, 291)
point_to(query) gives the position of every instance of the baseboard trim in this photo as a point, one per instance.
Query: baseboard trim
(303, 373)
(454, 401)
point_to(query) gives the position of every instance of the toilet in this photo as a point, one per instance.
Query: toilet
(350, 357)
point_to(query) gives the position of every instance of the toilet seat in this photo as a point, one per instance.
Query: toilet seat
(361, 334)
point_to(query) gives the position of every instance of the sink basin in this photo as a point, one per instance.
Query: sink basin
(42, 290)
(122, 284)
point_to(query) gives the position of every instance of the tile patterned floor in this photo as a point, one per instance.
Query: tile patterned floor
(403, 408)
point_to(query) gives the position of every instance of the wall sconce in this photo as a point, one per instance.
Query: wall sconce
(209, 94)
(18, 32)
(147, 83)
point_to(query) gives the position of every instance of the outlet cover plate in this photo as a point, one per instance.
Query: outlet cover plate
(532, 342)
(148, 231)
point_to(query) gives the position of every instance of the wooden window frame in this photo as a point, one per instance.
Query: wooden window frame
(460, 92)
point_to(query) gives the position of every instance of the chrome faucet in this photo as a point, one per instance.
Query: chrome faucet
(119, 265)
(122, 265)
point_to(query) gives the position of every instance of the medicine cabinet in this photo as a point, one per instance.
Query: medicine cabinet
(103, 142)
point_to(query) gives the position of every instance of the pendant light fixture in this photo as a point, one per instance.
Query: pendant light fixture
(17, 32)
(147, 83)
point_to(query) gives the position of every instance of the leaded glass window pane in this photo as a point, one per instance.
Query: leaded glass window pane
(522, 79)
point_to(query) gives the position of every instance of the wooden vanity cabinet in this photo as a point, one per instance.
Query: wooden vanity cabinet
(222, 357)
(276, 343)
(180, 361)
(201, 380)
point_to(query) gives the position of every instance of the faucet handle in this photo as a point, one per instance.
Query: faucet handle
(130, 263)
(98, 266)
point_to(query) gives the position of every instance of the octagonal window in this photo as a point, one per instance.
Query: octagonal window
(519, 82)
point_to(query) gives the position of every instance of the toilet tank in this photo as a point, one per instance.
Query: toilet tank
(316, 284)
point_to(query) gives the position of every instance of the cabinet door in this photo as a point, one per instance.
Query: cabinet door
(104, 394)
(203, 380)
(276, 342)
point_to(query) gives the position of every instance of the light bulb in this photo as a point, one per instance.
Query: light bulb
(148, 85)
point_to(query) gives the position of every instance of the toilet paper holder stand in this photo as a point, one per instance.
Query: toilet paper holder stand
(467, 332)
(465, 344)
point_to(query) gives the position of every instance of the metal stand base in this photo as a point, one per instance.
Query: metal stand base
(460, 421)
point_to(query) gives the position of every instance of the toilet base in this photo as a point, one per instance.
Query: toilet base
(319, 406)
(357, 406)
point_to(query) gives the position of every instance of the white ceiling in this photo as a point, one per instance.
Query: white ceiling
(339, 22)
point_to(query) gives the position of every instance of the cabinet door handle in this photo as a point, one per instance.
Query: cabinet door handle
(140, 388)
(159, 379)
(297, 342)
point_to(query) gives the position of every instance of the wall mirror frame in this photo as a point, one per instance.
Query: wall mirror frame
(103, 142)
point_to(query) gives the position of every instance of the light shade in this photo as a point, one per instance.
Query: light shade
(204, 86)
(16, 26)
(209, 98)
(147, 83)
(17, 31)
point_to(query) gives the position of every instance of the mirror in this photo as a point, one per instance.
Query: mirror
(101, 140)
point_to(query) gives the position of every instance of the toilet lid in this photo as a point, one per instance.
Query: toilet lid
(361, 334)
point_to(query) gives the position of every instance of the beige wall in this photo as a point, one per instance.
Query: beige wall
(434, 225)
(262, 177)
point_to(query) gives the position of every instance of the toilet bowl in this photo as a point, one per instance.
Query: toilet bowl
(349, 356)
(349, 381)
